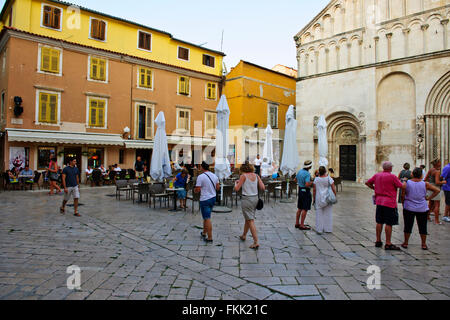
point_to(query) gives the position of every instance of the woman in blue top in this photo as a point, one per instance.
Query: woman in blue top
(180, 181)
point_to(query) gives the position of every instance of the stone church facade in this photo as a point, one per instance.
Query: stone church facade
(379, 70)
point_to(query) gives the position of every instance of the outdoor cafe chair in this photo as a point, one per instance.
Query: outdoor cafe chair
(158, 191)
(194, 197)
(122, 186)
(228, 194)
(337, 183)
(142, 189)
(34, 181)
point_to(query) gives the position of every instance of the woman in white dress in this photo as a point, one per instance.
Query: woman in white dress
(324, 210)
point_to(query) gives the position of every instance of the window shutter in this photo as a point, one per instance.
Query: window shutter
(187, 85)
(102, 73)
(93, 113)
(149, 124)
(101, 114)
(102, 25)
(43, 98)
(56, 18)
(53, 108)
(94, 27)
(45, 59)
(149, 78)
(93, 68)
(182, 86)
(55, 61)
(142, 77)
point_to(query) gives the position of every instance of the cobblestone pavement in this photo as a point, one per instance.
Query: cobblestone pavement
(128, 251)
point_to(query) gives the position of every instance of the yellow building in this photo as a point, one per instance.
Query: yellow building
(61, 20)
(257, 97)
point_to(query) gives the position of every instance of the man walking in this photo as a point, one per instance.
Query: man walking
(258, 163)
(139, 168)
(304, 195)
(446, 187)
(70, 182)
(207, 185)
(385, 185)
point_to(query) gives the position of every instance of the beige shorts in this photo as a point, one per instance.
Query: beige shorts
(72, 192)
(139, 174)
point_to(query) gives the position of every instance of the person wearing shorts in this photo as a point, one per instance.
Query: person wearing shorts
(71, 182)
(207, 185)
(304, 195)
(139, 168)
(385, 185)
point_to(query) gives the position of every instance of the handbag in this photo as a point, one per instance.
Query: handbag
(331, 197)
(54, 176)
(260, 204)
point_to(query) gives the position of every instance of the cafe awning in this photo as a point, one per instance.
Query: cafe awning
(61, 137)
(139, 144)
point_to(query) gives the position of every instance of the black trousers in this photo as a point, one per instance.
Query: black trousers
(422, 221)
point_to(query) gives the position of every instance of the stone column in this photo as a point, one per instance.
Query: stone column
(316, 53)
(307, 64)
(406, 37)
(349, 54)
(424, 28)
(338, 57)
(327, 59)
(444, 25)
(360, 42)
(377, 55)
(389, 44)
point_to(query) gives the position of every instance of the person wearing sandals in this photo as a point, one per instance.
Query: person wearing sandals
(180, 181)
(207, 185)
(385, 185)
(70, 182)
(53, 175)
(304, 195)
(415, 205)
(434, 177)
(324, 210)
(249, 182)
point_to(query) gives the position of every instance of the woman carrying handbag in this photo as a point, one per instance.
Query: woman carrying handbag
(249, 182)
(53, 175)
(324, 195)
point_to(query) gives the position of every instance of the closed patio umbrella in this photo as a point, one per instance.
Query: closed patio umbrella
(222, 164)
(323, 141)
(267, 153)
(160, 166)
(290, 160)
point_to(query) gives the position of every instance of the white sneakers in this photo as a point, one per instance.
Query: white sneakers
(446, 219)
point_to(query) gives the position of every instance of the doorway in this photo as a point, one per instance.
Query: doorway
(72, 153)
(146, 156)
(347, 163)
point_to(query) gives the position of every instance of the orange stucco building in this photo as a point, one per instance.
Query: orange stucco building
(98, 104)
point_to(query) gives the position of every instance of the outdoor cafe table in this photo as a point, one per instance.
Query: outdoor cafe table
(174, 190)
(23, 178)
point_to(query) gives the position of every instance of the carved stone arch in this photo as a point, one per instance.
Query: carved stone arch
(344, 130)
(434, 16)
(437, 120)
(414, 21)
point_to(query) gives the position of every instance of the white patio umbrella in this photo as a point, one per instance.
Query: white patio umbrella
(323, 141)
(267, 153)
(160, 167)
(290, 160)
(222, 167)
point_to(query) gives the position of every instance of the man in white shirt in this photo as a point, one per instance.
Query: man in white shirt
(258, 162)
(89, 171)
(117, 168)
(207, 185)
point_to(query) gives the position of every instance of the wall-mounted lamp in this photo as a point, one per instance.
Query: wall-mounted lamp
(126, 133)
(18, 109)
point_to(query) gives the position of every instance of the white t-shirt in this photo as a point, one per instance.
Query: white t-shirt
(117, 169)
(89, 171)
(258, 162)
(208, 189)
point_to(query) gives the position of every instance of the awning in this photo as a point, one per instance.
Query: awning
(190, 141)
(61, 137)
(139, 144)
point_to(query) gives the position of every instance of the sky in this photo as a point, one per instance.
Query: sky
(258, 31)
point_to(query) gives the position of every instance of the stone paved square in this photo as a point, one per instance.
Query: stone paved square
(128, 251)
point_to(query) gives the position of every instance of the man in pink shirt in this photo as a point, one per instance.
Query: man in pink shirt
(385, 185)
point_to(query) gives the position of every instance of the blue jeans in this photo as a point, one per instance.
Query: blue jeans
(206, 208)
